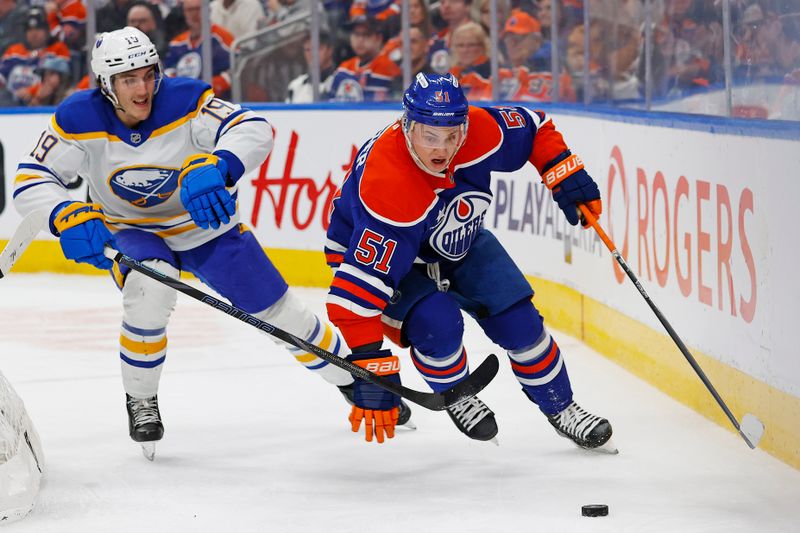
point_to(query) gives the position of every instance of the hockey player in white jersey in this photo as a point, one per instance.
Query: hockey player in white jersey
(161, 157)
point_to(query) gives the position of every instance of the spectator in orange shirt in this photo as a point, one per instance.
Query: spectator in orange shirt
(67, 19)
(419, 16)
(522, 37)
(471, 66)
(368, 75)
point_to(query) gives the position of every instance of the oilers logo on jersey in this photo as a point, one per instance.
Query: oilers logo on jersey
(459, 224)
(189, 66)
(144, 186)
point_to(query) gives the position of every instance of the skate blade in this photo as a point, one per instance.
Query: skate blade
(494, 441)
(409, 426)
(149, 450)
(608, 448)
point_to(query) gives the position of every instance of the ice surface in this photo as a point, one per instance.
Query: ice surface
(254, 442)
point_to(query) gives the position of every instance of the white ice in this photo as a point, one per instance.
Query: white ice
(256, 443)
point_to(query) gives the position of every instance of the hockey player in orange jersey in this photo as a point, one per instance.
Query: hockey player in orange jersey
(410, 253)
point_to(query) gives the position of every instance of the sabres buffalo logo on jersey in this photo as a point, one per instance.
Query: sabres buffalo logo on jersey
(144, 186)
(459, 224)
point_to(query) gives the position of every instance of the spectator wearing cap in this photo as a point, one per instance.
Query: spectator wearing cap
(146, 17)
(184, 56)
(54, 87)
(239, 17)
(522, 37)
(454, 13)
(19, 64)
(367, 76)
(300, 90)
(12, 23)
(67, 19)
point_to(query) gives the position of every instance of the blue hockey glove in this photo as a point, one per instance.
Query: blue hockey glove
(377, 407)
(571, 185)
(82, 233)
(203, 193)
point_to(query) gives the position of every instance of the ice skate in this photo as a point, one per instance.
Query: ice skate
(474, 419)
(586, 430)
(403, 417)
(144, 423)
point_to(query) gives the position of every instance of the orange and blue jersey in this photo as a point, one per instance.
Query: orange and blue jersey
(355, 81)
(391, 212)
(377, 10)
(18, 64)
(184, 58)
(69, 13)
(475, 79)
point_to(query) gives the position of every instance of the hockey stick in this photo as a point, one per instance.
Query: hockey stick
(435, 401)
(27, 230)
(751, 429)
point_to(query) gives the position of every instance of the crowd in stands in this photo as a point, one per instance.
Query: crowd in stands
(44, 49)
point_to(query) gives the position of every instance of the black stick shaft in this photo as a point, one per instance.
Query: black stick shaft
(672, 333)
(436, 401)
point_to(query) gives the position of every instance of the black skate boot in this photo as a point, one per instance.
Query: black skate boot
(144, 423)
(403, 417)
(474, 419)
(586, 430)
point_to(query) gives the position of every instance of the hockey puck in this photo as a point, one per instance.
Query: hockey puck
(594, 510)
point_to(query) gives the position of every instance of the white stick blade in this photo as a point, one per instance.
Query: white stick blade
(27, 230)
(751, 429)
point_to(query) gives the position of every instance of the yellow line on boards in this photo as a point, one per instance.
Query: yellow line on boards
(649, 354)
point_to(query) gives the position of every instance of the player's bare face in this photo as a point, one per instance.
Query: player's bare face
(134, 90)
(435, 146)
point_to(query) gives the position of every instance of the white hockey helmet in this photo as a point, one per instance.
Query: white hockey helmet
(119, 51)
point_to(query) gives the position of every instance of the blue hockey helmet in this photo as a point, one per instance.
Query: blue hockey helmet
(436, 100)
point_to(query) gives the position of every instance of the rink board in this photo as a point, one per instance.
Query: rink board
(701, 212)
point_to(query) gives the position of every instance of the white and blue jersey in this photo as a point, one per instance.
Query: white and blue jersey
(133, 173)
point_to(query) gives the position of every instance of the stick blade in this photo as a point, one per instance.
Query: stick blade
(27, 230)
(476, 382)
(751, 429)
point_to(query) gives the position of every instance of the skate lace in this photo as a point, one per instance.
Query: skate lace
(577, 422)
(145, 410)
(469, 412)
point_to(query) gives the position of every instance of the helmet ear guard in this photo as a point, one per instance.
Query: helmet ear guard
(121, 51)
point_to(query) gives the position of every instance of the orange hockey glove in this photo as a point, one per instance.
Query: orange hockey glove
(377, 407)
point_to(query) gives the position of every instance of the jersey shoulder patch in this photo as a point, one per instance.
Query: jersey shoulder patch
(72, 116)
(392, 187)
(175, 99)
